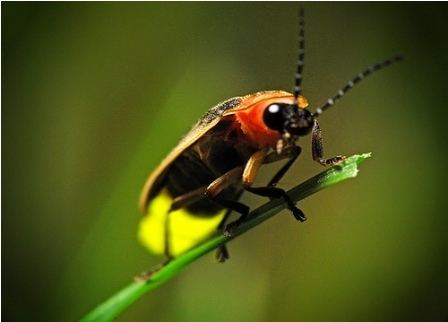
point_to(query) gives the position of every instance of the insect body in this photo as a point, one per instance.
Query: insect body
(191, 193)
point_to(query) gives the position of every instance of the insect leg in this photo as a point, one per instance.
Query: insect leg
(223, 182)
(212, 192)
(220, 184)
(318, 149)
(248, 177)
(249, 174)
(236, 206)
(188, 198)
(274, 192)
(294, 154)
(222, 254)
(252, 166)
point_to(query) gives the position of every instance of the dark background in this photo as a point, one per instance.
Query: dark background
(95, 94)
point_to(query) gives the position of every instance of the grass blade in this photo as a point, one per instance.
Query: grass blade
(117, 303)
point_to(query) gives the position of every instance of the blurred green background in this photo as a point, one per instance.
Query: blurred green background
(95, 94)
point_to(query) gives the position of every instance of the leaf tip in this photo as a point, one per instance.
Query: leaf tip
(358, 158)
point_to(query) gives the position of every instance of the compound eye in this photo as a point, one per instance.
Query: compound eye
(273, 117)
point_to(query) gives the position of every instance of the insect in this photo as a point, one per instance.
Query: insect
(195, 188)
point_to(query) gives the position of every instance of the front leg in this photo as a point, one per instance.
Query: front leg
(270, 191)
(248, 177)
(293, 153)
(274, 192)
(318, 149)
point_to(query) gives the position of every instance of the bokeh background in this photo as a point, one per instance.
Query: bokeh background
(95, 94)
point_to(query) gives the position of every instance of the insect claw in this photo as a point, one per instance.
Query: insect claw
(337, 160)
(222, 254)
(230, 228)
(228, 232)
(298, 214)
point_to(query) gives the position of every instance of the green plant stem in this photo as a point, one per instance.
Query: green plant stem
(116, 304)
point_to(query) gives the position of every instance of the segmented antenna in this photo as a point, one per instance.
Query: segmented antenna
(366, 72)
(300, 60)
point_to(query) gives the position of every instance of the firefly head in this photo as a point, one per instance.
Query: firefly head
(288, 119)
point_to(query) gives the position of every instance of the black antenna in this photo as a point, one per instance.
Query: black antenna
(300, 60)
(366, 72)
